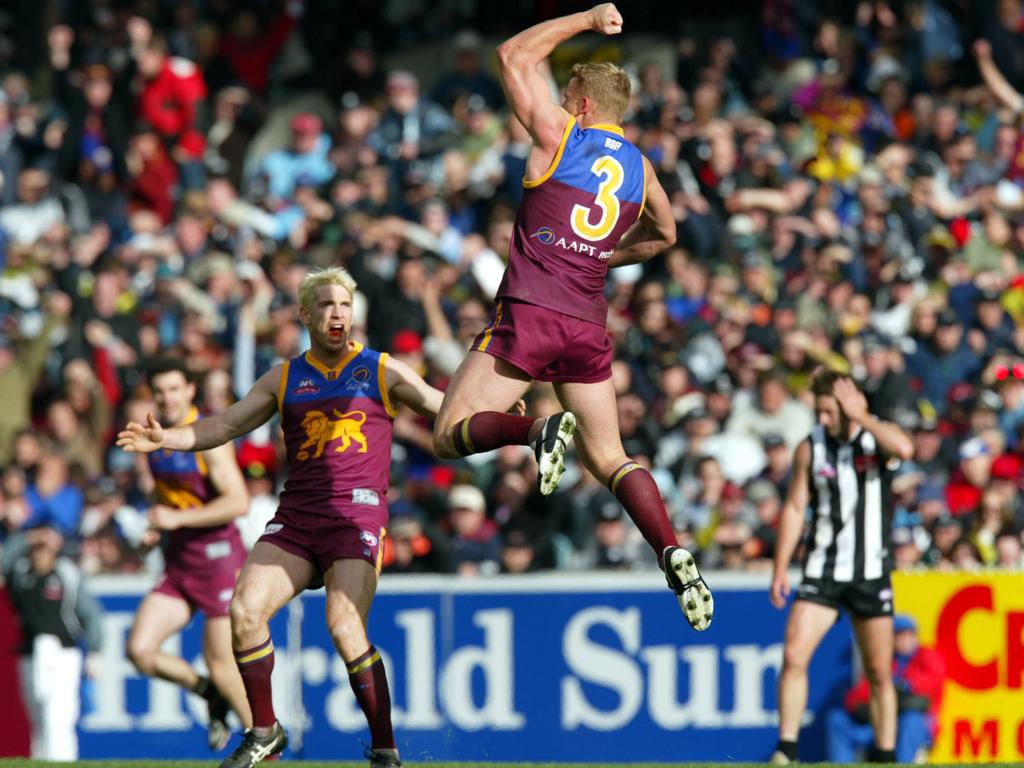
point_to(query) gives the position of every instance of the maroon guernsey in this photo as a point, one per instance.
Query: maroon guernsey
(571, 219)
(337, 430)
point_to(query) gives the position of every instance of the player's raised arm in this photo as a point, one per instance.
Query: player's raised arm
(407, 386)
(525, 88)
(791, 523)
(244, 416)
(996, 80)
(653, 232)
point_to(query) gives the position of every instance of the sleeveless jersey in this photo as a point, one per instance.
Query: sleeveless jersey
(182, 481)
(571, 219)
(337, 431)
(851, 507)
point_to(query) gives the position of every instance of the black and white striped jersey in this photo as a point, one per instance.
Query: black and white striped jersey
(851, 509)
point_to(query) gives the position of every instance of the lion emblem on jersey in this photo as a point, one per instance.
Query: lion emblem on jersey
(321, 430)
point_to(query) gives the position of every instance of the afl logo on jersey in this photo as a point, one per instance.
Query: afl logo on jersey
(359, 380)
(306, 387)
(545, 234)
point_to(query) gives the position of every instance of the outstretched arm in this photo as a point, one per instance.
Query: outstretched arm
(406, 386)
(525, 89)
(250, 412)
(653, 232)
(995, 79)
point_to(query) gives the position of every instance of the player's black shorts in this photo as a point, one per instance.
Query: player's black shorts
(862, 599)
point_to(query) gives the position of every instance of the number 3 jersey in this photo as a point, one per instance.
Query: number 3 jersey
(571, 219)
(337, 426)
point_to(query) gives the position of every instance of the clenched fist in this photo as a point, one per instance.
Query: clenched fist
(606, 19)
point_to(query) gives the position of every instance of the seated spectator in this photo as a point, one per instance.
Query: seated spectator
(304, 160)
(963, 493)
(474, 537)
(759, 549)
(991, 518)
(1009, 550)
(775, 411)
(52, 499)
(412, 547)
(919, 675)
(946, 532)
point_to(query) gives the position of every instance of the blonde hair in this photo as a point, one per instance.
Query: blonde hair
(315, 280)
(607, 86)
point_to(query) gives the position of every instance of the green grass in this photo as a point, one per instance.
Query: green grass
(25, 763)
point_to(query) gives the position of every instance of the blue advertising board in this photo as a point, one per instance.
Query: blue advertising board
(552, 667)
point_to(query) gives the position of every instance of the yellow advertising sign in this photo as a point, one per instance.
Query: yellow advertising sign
(975, 620)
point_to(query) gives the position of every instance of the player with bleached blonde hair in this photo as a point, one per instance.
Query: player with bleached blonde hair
(336, 402)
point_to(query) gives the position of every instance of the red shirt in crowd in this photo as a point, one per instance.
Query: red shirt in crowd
(169, 101)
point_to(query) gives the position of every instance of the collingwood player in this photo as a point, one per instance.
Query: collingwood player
(842, 471)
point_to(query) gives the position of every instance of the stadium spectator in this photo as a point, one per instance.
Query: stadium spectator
(919, 674)
(807, 234)
(57, 615)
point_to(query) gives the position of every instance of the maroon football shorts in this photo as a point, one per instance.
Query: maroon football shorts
(207, 590)
(354, 534)
(546, 344)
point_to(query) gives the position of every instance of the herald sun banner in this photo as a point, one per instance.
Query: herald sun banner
(552, 667)
(975, 620)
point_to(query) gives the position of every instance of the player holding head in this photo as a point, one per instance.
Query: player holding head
(591, 202)
(336, 404)
(842, 471)
(197, 497)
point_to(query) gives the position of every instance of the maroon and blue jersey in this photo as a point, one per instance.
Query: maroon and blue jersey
(571, 219)
(182, 481)
(337, 432)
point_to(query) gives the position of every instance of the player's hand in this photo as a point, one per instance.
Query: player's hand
(519, 409)
(982, 49)
(141, 439)
(850, 399)
(163, 518)
(780, 588)
(606, 19)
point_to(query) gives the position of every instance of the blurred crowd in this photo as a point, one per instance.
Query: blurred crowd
(852, 195)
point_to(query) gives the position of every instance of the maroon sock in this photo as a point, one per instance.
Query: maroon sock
(488, 430)
(255, 665)
(636, 490)
(370, 685)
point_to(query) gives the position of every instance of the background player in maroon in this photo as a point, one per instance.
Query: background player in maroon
(197, 498)
(336, 404)
(591, 201)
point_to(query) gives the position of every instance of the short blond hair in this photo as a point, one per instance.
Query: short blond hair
(315, 280)
(607, 86)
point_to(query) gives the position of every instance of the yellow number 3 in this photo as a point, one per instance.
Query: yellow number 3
(611, 170)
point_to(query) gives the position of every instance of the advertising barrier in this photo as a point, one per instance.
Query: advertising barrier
(975, 620)
(553, 667)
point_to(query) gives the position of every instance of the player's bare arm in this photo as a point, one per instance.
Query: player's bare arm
(653, 232)
(406, 386)
(252, 411)
(891, 439)
(525, 88)
(232, 500)
(791, 523)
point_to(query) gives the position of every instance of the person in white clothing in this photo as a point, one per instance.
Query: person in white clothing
(57, 613)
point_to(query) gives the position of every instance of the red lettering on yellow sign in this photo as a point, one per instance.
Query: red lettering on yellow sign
(986, 739)
(977, 677)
